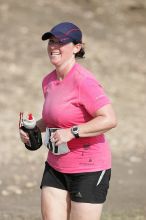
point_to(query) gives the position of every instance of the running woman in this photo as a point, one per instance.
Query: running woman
(76, 114)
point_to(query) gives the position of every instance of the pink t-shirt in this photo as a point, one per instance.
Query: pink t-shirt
(74, 101)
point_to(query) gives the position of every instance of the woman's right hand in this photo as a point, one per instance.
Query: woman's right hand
(24, 136)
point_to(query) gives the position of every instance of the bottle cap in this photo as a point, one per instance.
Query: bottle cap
(30, 116)
(29, 121)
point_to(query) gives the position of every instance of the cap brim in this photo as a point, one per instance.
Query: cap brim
(60, 36)
(47, 36)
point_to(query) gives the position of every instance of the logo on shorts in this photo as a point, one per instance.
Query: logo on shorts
(78, 194)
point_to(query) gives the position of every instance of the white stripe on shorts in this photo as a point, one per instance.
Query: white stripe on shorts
(100, 178)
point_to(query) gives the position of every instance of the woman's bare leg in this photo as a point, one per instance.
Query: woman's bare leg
(55, 204)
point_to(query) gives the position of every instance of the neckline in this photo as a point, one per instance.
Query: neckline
(67, 75)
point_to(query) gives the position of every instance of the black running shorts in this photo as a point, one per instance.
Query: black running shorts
(88, 187)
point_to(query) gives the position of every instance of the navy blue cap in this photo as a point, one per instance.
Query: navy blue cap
(65, 32)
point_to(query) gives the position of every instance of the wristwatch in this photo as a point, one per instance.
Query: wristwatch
(75, 131)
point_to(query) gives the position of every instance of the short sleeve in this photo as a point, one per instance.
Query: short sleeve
(92, 95)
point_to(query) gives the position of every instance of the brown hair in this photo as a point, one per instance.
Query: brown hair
(81, 53)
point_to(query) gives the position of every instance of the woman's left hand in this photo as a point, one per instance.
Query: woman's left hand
(61, 136)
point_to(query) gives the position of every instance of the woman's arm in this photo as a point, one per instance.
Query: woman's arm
(103, 121)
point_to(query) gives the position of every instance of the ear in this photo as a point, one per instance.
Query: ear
(77, 48)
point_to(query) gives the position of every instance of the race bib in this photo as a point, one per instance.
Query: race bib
(55, 149)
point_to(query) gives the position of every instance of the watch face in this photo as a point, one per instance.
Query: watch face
(75, 130)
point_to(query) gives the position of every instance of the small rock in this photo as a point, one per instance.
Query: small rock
(5, 193)
(30, 184)
(135, 159)
(15, 189)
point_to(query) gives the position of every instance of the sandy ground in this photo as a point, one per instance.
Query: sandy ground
(114, 33)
